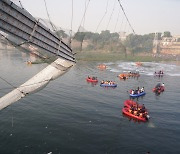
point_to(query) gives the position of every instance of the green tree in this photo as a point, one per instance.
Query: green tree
(139, 43)
(61, 34)
(79, 36)
(167, 34)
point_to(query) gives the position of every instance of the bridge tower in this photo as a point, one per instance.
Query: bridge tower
(156, 43)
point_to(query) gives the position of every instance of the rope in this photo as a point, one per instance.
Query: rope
(125, 16)
(111, 14)
(15, 45)
(21, 86)
(117, 21)
(57, 67)
(53, 27)
(70, 32)
(125, 26)
(21, 5)
(71, 20)
(83, 18)
(121, 23)
(103, 16)
(12, 119)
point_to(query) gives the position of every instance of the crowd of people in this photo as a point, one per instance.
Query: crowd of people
(159, 88)
(93, 78)
(134, 74)
(108, 82)
(137, 91)
(159, 72)
(138, 110)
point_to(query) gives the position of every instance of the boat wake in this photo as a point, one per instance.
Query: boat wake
(147, 68)
(151, 125)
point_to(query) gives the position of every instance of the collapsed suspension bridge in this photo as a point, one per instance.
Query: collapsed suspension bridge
(29, 32)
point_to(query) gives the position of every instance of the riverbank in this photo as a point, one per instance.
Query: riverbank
(143, 57)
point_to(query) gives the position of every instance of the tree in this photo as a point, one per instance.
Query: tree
(139, 43)
(167, 34)
(61, 34)
(79, 36)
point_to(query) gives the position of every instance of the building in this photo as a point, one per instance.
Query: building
(170, 45)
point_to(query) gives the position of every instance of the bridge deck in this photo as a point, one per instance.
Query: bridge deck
(22, 25)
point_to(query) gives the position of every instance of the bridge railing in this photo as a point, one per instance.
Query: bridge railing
(21, 24)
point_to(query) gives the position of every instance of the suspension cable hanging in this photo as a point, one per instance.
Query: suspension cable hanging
(70, 32)
(126, 16)
(83, 18)
(53, 27)
(111, 14)
(127, 31)
(103, 16)
(71, 19)
(121, 23)
(125, 26)
(44, 59)
(21, 5)
(85, 6)
(116, 21)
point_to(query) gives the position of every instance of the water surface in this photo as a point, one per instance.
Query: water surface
(72, 116)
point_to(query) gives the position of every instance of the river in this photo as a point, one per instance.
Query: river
(72, 116)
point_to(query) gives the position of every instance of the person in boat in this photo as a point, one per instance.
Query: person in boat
(102, 82)
(137, 106)
(132, 92)
(158, 85)
(137, 90)
(88, 77)
(94, 78)
(142, 89)
(138, 113)
(132, 108)
(143, 109)
(162, 84)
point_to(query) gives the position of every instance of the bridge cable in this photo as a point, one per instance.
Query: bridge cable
(15, 45)
(116, 21)
(111, 14)
(15, 87)
(21, 5)
(85, 4)
(126, 16)
(53, 27)
(71, 23)
(121, 23)
(12, 85)
(103, 16)
(125, 26)
(83, 18)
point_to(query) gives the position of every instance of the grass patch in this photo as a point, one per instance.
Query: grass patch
(99, 56)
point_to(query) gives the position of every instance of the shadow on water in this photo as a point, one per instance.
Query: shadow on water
(92, 83)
